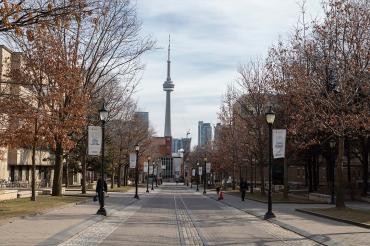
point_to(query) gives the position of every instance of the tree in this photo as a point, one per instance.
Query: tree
(51, 73)
(110, 46)
(328, 77)
(17, 14)
(254, 97)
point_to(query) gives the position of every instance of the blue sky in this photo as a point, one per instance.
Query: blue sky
(209, 40)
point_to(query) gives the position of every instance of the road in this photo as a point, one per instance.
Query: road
(176, 215)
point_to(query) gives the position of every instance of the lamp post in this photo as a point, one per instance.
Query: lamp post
(153, 176)
(332, 144)
(270, 118)
(191, 178)
(147, 176)
(137, 148)
(205, 176)
(181, 154)
(198, 176)
(156, 176)
(103, 113)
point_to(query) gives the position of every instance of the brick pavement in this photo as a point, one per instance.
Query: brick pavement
(176, 215)
(324, 231)
(57, 225)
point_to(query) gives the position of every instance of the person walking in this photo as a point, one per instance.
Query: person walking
(243, 188)
(98, 187)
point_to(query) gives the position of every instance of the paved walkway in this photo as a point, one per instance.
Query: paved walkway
(171, 215)
(175, 215)
(321, 230)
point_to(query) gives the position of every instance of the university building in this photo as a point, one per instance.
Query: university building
(15, 164)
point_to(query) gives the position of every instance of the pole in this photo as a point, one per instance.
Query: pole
(183, 163)
(136, 175)
(102, 210)
(269, 213)
(332, 200)
(191, 179)
(153, 177)
(156, 177)
(198, 178)
(251, 177)
(205, 179)
(147, 179)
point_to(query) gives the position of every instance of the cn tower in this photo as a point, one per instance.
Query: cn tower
(168, 87)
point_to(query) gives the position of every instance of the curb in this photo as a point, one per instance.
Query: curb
(279, 202)
(333, 218)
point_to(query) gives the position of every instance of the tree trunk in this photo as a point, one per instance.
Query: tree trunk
(262, 176)
(317, 171)
(286, 188)
(83, 166)
(306, 177)
(67, 173)
(339, 175)
(58, 170)
(365, 164)
(349, 178)
(33, 184)
(124, 175)
(119, 175)
(309, 167)
(314, 172)
(112, 180)
(234, 182)
(240, 173)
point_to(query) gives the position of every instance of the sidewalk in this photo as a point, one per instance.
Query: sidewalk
(321, 230)
(54, 227)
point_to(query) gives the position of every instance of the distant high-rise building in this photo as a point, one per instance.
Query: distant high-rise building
(183, 143)
(217, 131)
(204, 133)
(176, 145)
(186, 144)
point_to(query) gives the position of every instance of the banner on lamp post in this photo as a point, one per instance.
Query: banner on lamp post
(193, 172)
(278, 143)
(95, 140)
(200, 170)
(208, 167)
(145, 167)
(150, 169)
(132, 160)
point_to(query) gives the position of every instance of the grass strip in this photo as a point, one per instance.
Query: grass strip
(24, 206)
(276, 197)
(345, 214)
(120, 189)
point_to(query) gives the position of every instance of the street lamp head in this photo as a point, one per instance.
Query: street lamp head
(332, 143)
(137, 147)
(103, 113)
(197, 163)
(149, 159)
(270, 116)
(205, 158)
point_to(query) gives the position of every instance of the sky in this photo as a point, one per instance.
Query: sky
(210, 39)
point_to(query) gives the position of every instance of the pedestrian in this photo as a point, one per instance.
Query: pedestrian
(243, 188)
(98, 187)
